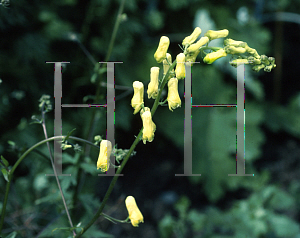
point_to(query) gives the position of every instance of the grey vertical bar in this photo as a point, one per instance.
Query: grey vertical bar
(57, 119)
(188, 148)
(240, 116)
(110, 112)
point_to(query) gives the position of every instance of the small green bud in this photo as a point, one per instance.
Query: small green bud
(257, 68)
(237, 62)
(253, 60)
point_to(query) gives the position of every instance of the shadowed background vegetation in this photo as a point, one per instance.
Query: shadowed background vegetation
(213, 205)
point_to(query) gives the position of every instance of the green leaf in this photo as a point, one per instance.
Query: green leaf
(5, 174)
(12, 235)
(4, 161)
(89, 168)
(283, 226)
(68, 135)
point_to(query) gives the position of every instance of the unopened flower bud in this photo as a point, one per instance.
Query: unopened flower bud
(257, 68)
(138, 97)
(195, 47)
(191, 57)
(211, 57)
(237, 62)
(135, 214)
(216, 34)
(148, 126)
(252, 51)
(153, 85)
(104, 155)
(235, 43)
(180, 68)
(234, 50)
(253, 60)
(162, 49)
(264, 59)
(173, 96)
(191, 39)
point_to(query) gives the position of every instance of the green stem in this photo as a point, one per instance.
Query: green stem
(134, 144)
(112, 219)
(10, 176)
(98, 67)
(164, 81)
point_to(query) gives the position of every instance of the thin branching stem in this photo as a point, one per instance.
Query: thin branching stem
(134, 144)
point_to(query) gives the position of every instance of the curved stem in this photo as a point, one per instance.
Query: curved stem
(134, 144)
(10, 176)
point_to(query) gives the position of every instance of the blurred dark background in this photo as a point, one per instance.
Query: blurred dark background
(213, 205)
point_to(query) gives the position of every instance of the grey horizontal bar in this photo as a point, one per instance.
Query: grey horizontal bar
(83, 105)
(215, 105)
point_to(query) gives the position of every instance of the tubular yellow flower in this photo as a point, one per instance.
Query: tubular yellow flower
(166, 64)
(191, 39)
(138, 96)
(148, 124)
(252, 51)
(162, 49)
(229, 49)
(173, 96)
(153, 85)
(216, 34)
(235, 43)
(135, 214)
(211, 57)
(180, 69)
(195, 47)
(104, 155)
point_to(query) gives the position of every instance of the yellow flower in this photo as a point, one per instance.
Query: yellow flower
(211, 57)
(191, 39)
(252, 52)
(166, 64)
(135, 215)
(138, 96)
(148, 124)
(162, 49)
(173, 96)
(104, 155)
(234, 50)
(216, 34)
(195, 47)
(235, 43)
(153, 85)
(180, 68)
